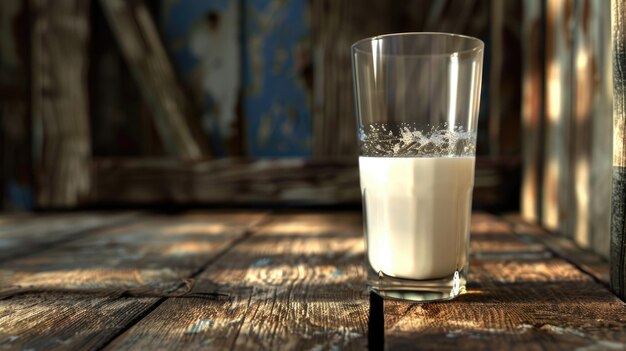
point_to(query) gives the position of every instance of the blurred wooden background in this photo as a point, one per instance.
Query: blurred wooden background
(116, 102)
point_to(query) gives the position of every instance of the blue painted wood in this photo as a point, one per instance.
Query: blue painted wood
(276, 98)
(268, 67)
(203, 38)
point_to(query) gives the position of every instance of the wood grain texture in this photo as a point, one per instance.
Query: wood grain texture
(618, 195)
(297, 283)
(601, 129)
(558, 60)
(586, 260)
(60, 106)
(27, 234)
(150, 257)
(532, 109)
(332, 180)
(588, 210)
(176, 120)
(57, 322)
(517, 302)
(235, 181)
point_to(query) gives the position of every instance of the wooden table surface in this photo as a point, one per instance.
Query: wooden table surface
(283, 280)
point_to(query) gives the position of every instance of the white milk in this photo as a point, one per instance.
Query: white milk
(417, 214)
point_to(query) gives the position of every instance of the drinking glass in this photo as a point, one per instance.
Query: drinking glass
(417, 100)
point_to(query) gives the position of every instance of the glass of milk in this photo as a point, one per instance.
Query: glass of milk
(417, 100)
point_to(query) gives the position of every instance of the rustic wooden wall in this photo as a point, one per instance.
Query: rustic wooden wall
(567, 104)
(592, 99)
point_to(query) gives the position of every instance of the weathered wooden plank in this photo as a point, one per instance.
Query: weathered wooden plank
(532, 109)
(237, 181)
(295, 284)
(65, 322)
(517, 305)
(590, 167)
(590, 262)
(149, 257)
(601, 144)
(28, 234)
(618, 195)
(514, 303)
(602, 126)
(176, 120)
(269, 181)
(60, 106)
(556, 180)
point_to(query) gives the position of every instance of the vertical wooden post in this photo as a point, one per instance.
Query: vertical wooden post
(618, 197)
(556, 180)
(60, 112)
(532, 108)
(590, 169)
(601, 128)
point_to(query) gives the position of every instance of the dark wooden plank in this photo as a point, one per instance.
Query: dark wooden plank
(16, 190)
(618, 195)
(151, 256)
(60, 106)
(238, 181)
(27, 234)
(332, 180)
(532, 109)
(65, 322)
(175, 117)
(297, 283)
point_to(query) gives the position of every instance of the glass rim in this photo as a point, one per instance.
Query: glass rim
(480, 45)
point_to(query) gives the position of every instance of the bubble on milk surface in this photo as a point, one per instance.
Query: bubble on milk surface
(406, 140)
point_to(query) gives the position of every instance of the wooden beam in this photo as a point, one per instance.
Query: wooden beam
(60, 106)
(532, 109)
(556, 169)
(176, 119)
(618, 196)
